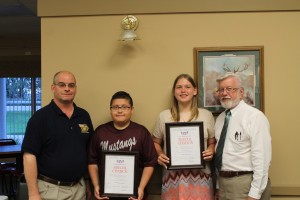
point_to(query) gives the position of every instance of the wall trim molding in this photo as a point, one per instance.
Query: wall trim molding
(48, 8)
(285, 191)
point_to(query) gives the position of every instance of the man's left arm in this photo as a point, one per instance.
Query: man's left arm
(261, 153)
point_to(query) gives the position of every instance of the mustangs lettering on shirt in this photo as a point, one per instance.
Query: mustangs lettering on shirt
(119, 145)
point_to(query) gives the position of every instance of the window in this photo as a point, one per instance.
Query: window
(20, 97)
(20, 93)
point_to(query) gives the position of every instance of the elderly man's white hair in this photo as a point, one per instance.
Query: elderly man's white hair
(229, 75)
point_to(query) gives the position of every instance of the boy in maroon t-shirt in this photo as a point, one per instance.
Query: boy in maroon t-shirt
(121, 134)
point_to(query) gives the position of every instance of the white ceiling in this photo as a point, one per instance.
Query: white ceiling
(18, 18)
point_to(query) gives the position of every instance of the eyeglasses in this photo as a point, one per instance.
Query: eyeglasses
(122, 108)
(63, 85)
(228, 90)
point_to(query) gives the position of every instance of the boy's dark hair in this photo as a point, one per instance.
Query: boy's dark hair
(122, 95)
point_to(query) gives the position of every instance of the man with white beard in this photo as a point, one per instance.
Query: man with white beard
(243, 150)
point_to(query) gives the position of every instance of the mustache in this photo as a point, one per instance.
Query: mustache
(227, 97)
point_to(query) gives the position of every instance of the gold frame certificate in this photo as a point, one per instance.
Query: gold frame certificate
(119, 174)
(185, 143)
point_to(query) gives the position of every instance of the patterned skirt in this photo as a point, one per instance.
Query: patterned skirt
(187, 184)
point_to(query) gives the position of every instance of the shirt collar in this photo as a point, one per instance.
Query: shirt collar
(237, 108)
(58, 110)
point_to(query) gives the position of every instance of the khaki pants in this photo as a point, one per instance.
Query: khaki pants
(50, 191)
(238, 187)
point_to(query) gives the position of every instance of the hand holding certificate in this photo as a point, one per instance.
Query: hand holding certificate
(185, 143)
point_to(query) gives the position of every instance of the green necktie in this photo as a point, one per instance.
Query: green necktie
(219, 151)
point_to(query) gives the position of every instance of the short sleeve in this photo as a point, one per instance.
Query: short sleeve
(211, 126)
(158, 131)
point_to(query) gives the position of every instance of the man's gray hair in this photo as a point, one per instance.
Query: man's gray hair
(229, 75)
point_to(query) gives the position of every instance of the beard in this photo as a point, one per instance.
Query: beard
(228, 103)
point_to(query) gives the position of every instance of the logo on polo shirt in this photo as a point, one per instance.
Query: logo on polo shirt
(84, 128)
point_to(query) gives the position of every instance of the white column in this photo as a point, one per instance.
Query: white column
(2, 107)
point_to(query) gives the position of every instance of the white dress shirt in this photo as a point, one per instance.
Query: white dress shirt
(247, 145)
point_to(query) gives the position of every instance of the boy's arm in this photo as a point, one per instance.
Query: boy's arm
(146, 175)
(94, 171)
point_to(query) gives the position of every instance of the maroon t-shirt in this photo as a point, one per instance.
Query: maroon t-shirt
(133, 138)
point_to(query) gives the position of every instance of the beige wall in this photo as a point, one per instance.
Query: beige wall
(89, 47)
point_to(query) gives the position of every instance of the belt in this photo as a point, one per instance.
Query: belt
(56, 182)
(229, 174)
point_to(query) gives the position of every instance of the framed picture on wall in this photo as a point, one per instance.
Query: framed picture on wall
(212, 62)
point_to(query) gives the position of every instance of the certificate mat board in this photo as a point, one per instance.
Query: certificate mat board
(119, 172)
(185, 143)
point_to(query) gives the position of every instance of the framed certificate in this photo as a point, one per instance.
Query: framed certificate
(119, 172)
(185, 143)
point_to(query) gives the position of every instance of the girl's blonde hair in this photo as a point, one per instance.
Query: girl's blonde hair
(174, 104)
